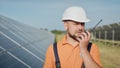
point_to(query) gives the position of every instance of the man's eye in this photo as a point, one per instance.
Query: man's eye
(82, 24)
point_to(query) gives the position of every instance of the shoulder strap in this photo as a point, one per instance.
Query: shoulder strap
(89, 48)
(57, 61)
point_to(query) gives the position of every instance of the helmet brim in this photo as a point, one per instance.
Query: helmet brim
(86, 20)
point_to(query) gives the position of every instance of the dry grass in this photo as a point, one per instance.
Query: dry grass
(110, 55)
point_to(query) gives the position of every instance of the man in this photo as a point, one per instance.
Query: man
(72, 49)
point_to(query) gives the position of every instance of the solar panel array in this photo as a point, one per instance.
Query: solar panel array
(22, 46)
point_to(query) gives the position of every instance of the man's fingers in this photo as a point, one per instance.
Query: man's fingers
(85, 36)
(89, 35)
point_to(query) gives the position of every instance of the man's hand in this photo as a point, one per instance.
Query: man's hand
(84, 40)
(87, 58)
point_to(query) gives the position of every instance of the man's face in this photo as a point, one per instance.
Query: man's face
(74, 29)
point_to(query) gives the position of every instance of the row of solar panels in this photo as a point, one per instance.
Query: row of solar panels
(22, 46)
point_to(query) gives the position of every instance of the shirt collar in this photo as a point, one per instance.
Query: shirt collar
(64, 40)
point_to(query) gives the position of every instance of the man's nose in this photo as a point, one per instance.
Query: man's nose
(80, 26)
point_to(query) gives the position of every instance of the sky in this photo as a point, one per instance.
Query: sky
(48, 13)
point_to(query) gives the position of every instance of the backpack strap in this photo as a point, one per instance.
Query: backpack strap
(57, 61)
(89, 48)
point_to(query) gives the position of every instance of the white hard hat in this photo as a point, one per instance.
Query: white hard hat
(76, 14)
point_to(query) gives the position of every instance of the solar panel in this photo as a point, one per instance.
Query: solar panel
(22, 46)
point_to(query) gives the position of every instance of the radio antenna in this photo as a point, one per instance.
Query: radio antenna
(96, 25)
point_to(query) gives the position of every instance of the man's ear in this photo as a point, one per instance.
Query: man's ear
(65, 25)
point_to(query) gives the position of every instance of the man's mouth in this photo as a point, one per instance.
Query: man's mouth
(77, 34)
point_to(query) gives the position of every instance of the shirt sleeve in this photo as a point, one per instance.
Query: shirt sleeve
(96, 54)
(49, 59)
